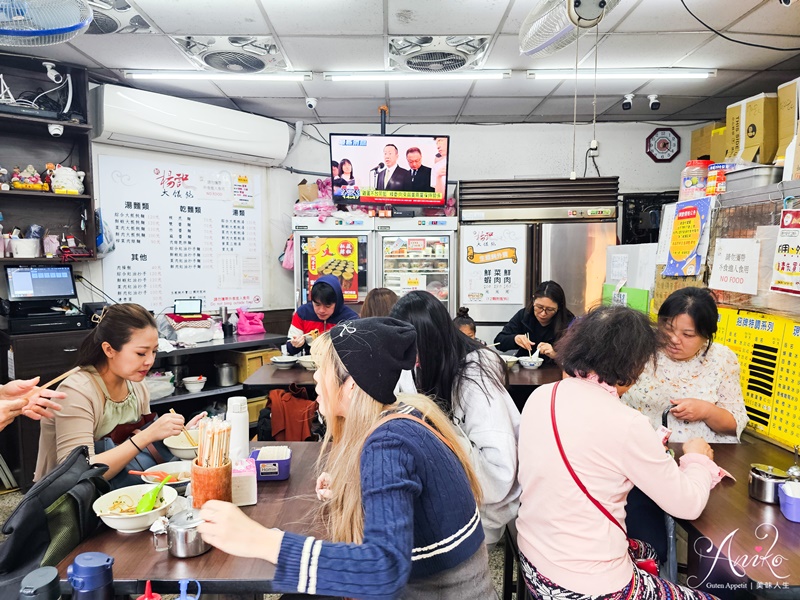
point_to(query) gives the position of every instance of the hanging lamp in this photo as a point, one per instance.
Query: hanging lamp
(42, 22)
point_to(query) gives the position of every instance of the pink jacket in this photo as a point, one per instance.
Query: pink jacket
(611, 447)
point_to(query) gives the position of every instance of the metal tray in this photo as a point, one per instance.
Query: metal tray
(752, 177)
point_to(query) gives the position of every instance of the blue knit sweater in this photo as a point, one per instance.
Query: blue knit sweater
(420, 518)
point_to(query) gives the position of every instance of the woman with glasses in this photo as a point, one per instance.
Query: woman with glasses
(539, 325)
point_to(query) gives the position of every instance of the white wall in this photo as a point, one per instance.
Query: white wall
(476, 152)
(482, 152)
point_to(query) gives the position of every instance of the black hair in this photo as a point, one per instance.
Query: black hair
(554, 292)
(323, 293)
(334, 164)
(699, 304)
(117, 325)
(463, 319)
(614, 342)
(341, 165)
(443, 349)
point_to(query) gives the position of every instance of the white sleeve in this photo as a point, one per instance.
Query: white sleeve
(490, 420)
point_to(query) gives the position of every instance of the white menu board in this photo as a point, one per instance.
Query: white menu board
(182, 232)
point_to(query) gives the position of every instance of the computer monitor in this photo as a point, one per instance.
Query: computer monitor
(33, 283)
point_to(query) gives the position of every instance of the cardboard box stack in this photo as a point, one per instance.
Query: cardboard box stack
(752, 129)
(788, 117)
(701, 141)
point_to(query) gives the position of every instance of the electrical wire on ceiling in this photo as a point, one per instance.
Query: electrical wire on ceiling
(734, 40)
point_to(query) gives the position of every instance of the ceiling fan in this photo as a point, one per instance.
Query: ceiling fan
(555, 24)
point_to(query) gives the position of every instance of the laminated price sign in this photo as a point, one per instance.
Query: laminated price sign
(685, 250)
(786, 265)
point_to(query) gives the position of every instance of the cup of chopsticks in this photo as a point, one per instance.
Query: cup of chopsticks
(212, 469)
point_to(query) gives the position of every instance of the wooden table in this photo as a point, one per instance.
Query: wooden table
(282, 504)
(518, 377)
(735, 527)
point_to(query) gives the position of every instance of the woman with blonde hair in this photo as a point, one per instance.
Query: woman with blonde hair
(400, 497)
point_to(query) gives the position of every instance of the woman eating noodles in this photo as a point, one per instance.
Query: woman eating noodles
(695, 377)
(577, 432)
(539, 325)
(399, 492)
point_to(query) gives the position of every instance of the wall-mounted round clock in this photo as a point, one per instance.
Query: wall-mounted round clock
(663, 144)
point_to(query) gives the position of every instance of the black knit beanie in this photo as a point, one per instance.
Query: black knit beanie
(374, 351)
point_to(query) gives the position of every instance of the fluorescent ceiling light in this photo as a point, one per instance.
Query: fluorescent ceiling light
(619, 74)
(403, 76)
(212, 76)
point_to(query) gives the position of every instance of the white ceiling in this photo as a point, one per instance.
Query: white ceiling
(352, 35)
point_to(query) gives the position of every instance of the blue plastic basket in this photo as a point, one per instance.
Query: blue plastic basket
(272, 470)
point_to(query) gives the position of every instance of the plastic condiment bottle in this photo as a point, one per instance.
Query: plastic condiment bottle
(41, 584)
(694, 179)
(148, 593)
(91, 577)
(239, 419)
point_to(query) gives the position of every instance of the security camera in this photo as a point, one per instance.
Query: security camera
(627, 103)
(786, 2)
(55, 129)
(655, 103)
(311, 103)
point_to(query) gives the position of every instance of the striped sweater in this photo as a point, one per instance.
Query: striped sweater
(420, 518)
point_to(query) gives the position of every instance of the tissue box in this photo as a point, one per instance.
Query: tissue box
(272, 469)
(790, 506)
(243, 483)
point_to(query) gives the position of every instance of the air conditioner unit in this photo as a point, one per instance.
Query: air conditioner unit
(140, 119)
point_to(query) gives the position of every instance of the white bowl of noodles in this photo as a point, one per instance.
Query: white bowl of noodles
(181, 471)
(117, 509)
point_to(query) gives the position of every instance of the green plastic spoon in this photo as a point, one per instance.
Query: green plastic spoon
(148, 501)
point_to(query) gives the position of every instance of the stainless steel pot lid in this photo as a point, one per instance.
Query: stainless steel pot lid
(185, 520)
(768, 471)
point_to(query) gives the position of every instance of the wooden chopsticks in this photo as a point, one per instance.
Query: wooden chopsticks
(51, 382)
(188, 435)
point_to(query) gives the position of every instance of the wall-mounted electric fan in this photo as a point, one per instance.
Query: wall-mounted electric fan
(555, 24)
(42, 22)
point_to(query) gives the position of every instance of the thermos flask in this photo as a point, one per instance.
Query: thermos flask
(41, 584)
(90, 576)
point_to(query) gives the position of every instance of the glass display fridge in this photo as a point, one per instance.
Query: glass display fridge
(338, 246)
(418, 254)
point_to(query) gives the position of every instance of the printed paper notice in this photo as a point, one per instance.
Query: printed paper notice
(619, 267)
(736, 266)
(685, 248)
(786, 265)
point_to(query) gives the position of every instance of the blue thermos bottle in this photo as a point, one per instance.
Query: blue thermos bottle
(90, 576)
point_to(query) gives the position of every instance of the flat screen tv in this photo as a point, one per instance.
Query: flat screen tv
(409, 170)
(31, 283)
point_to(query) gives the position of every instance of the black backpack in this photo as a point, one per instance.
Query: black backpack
(52, 519)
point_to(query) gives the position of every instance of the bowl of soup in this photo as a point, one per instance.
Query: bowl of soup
(117, 509)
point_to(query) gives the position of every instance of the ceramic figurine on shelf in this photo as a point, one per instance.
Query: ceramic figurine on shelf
(48, 173)
(4, 179)
(67, 180)
(28, 179)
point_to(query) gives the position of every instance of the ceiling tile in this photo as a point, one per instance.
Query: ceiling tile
(278, 108)
(771, 17)
(505, 54)
(182, 89)
(496, 107)
(444, 17)
(722, 54)
(261, 89)
(349, 17)
(205, 17)
(340, 89)
(65, 53)
(724, 80)
(489, 118)
(338, 53)
(765, 81)
(117, 51)
(428, 107)
(669, 106)
(562, 108)
(344, 108)
(645, 50)
(711, 108)
(428, 89)
(223, 102)
(672, 16)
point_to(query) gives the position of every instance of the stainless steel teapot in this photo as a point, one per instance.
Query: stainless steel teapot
(182, 538)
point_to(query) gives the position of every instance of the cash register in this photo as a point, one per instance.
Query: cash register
(38, 299)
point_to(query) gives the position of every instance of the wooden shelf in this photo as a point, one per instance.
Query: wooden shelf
(180, 394)
(28, 194)
(44, 259)
(69, 126)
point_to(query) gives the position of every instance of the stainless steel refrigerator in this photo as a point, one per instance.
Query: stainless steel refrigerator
(506, 252)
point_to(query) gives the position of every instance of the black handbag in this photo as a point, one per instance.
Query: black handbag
(51, 520)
